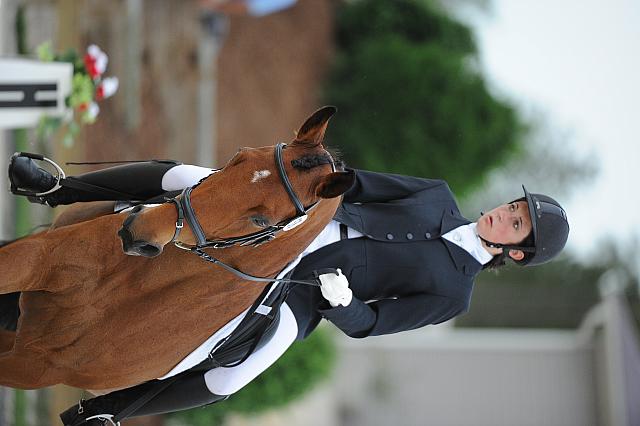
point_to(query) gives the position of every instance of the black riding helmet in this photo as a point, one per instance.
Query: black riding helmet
(550, 230)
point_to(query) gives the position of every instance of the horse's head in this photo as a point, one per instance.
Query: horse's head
(248, 197)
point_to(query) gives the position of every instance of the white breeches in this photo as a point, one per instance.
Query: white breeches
(179, 177)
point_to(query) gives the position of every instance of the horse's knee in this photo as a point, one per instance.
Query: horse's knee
(7, 338)
(24, 371)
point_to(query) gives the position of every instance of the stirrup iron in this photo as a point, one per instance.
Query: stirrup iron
(105, 419)
(58, 176)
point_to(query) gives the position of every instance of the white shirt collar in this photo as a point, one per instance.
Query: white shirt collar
(466, 237)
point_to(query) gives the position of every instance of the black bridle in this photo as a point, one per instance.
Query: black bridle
(186, 213)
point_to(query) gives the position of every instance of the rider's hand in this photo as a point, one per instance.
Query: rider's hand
(335, 288)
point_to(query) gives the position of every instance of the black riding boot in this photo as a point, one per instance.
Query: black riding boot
(25, 174)
(130, 182)
(189, 390)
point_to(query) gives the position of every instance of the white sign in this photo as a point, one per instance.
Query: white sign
(30, 89)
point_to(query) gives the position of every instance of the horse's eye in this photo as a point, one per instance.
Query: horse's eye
(260, 221)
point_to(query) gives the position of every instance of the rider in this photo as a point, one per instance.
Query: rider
(406, 257)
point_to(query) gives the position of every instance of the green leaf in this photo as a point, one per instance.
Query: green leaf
(45, 51)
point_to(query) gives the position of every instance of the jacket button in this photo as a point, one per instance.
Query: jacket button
(427, 235)
(389, 236)
(409, 236)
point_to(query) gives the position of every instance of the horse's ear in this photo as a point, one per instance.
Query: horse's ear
(335, 184)
(312, 131)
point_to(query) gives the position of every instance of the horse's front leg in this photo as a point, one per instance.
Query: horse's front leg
(7, 338)
(17, 368)
(24, 369)
(23, 265)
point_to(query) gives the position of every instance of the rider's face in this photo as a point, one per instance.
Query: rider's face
(506, 224)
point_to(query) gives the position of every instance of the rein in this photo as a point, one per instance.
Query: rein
(245, 276)
(186, 213)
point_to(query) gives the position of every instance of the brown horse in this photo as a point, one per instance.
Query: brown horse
(94, 318)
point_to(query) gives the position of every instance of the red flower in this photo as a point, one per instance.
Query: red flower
(100, 93)
(90, 65)
(83, 106)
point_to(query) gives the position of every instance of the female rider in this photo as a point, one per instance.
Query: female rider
(405, 257)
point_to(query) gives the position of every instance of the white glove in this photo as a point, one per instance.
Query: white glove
(335, 288)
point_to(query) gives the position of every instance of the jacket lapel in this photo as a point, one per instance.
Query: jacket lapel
(464, 262)
(451, 219)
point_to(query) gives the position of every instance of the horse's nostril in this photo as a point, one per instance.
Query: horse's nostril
(126, 237)
(148, 250)
(137, 248)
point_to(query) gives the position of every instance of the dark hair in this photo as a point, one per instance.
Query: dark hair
(500, 260)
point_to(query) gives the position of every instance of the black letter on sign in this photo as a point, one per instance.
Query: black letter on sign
(29, 95)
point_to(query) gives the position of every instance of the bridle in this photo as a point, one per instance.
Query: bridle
(186, 213)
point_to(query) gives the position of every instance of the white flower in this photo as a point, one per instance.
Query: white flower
(101, 58)
(93, 111)
(109, 86)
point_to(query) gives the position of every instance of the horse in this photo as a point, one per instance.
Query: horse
(107, 302)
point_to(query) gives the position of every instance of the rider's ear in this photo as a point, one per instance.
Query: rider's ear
(335, 184)
(312, 131)
(516, 254)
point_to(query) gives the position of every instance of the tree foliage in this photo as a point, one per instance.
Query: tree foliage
(412, 20)
(410, 99)
(549, 163)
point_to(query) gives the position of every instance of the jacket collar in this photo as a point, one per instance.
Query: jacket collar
(464, 262)
(451, 219)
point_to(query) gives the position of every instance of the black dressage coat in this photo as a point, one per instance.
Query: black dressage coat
(403, 274)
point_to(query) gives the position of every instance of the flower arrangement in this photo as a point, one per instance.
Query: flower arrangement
(88, 87)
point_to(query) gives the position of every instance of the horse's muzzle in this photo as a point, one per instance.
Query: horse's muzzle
(135, 247)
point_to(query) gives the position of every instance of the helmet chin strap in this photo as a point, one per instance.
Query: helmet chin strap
(508, 246)
(491, 244)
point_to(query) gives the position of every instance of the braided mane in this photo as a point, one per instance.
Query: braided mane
(310, 161)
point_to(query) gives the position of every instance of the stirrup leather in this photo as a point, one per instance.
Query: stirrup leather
(58, 176)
